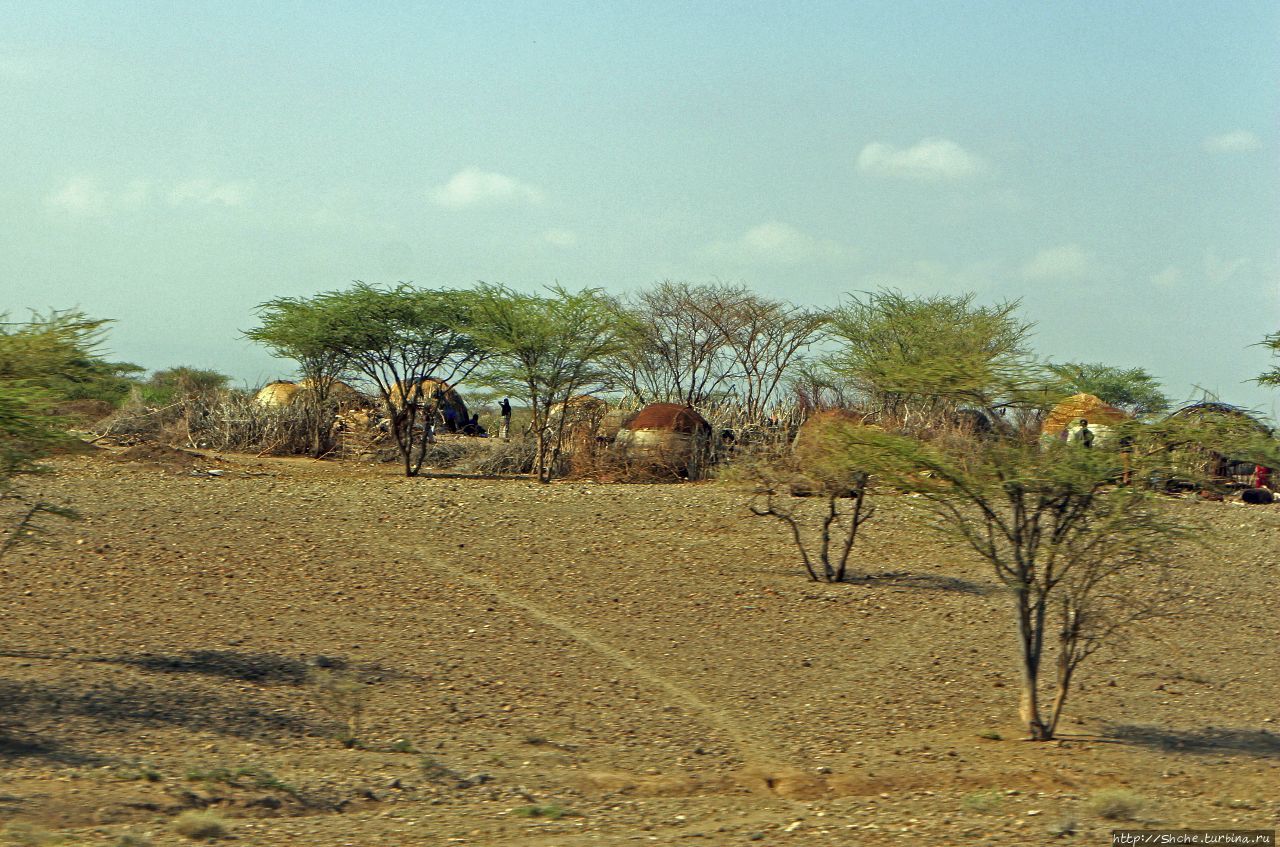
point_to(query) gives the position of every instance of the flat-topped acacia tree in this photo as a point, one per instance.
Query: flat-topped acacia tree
(294, 328)
(395, 338)
(547, 350)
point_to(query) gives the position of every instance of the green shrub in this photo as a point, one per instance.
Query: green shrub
(550, 811)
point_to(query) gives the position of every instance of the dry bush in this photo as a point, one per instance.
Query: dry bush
(516, 456)
(613, 463)
(1116, 804)
(200, 826)
(233, 421)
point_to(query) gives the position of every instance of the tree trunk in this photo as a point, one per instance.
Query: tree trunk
(1029, 659)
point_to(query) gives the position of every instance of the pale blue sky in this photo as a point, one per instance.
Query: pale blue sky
(1115, 165)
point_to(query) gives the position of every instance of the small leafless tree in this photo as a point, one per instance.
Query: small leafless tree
(820, 494)
(765, 338)
(678, 350)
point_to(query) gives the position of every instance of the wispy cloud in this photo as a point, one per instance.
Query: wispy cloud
(1068, 261)
(474, 187)
(1239, 141)
(18, 67)
(560, 237)
(1220, 270)
(1167, 278)
(933, 159)
(91, 196)
(776, 242)
(208, 192)
(79, 195)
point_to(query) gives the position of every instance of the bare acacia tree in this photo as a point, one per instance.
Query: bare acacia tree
(676, 351)
(819, 491)
(765, 338)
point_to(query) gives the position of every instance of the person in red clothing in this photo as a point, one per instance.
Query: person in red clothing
(1261, 476)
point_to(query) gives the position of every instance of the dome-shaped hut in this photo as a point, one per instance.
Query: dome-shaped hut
(276, 395)
(815, 450)
(1232, 421)
(441, 396)
(668, 436)
(1064, 418)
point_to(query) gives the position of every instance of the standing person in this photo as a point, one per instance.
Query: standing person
(1082, 436)
(504, 432)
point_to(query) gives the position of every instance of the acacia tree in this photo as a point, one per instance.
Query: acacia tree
(678, 342)
(1081, 557)
(61, 352)
(921, 358)
(1131, 389)
(547, 350)
(44, 361)
(294, 328)
(1271, 377)
(396, 338)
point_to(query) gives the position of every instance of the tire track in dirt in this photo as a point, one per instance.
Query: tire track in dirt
(752, 748)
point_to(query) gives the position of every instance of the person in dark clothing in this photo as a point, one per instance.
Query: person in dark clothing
(505, 430)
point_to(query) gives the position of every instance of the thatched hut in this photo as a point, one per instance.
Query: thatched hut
(668, 436)
(438, 395)
(1064, 418)
(276, 395)
(285, 392)
(1203, 462)
(342, 395)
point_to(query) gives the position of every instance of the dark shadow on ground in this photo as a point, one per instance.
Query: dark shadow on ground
(1207, 740)
(19, 745)
(923, 582)
(251, 667)
(45, 713)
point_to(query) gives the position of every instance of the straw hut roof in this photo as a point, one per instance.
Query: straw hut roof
(1200, 411)
(278, 393)
(341, 393)
(1078, 406)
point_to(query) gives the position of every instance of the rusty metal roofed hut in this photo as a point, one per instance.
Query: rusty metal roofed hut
(1201, 461)
(1065, 417)
(670, 437)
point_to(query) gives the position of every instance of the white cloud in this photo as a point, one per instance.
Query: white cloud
(560, 237)
(933, 159)
(1239, 141)
(208, 192)
(474, 187)
(15, 67)
(775, 242)
(1167, 278)
(80, 195)
(89, 196)
(1219, 270)
(1068, 261)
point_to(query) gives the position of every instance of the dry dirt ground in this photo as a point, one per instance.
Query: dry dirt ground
(581, 664)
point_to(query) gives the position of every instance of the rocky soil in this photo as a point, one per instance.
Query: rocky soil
(328, 654)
